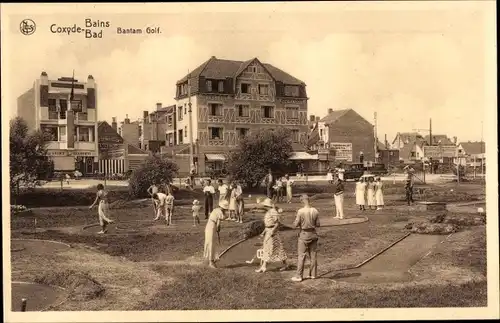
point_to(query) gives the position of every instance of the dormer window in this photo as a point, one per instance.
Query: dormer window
(221, 86)
(209, 86)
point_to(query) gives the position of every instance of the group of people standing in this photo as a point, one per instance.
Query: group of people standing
(232, 193)
(278, 187)
(307, 221)
(369, 193)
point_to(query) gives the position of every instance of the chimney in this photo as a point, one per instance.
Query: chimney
(145, 115)
(114, 124)
(455, 140)
(127, 120)
(158, 106)
(330, 111)
(312, 118)
(386, 142)
(317, 119)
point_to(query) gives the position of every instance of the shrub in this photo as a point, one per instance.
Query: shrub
(154, 170)
(431, 228)
(81, 286)
(252, 229)
(53, 197)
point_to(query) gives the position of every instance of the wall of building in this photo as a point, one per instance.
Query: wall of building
(352, 128)
(184, 123)
(130, 133)
(26, 108)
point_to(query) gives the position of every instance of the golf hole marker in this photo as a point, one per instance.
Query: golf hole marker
(260, 253)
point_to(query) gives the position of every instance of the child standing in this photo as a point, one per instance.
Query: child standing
(196, 212)
(169, 204)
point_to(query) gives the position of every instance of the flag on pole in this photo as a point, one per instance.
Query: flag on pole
(72, 95)
(313, 136)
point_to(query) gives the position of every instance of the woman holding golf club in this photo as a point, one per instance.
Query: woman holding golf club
(212, 230)
(273, 250)
(103, 208)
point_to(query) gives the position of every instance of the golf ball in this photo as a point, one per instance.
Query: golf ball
(480, 210)
(451, 190)
(249, 196)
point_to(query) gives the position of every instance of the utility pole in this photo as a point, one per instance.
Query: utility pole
(375, 146)
(191, 152)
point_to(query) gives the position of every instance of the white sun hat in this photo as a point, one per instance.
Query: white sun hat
(267, 203)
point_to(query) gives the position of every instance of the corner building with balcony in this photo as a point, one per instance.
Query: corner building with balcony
(72, 125)
(229, 99)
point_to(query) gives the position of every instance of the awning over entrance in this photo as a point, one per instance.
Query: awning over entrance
(302, 155)
(215, 157)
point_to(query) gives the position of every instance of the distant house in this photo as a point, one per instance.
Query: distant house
(403, 139)
(472, 152)
(387, 155)
(439, 140)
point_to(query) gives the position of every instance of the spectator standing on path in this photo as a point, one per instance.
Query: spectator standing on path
(360, 193)
(103, 208)
(209, 193)
(379, 194)
(269, 183)
(307, 221)
(240, 203)
(361, 157)
(370, 193)
(339, 199)
(289, 183)
(232, 202)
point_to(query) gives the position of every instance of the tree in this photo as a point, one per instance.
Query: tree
(257, 153)
(28, 155)
(154, 169)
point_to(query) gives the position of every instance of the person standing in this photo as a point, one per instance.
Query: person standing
(279, 189)
(269, 183)
(409, 191)
(209, 192)
(370, 193)
(361, 157)
(192, 173)
(223, 190)
(360, 193)
(103, 208)
(211, 230)
(289, 183)
(307, 220)
(161, 205)
(272, 245)
(232, 203)
(153, 189)
(379, 194)
(339, 199)
(196, 212)
(169, 206)
(329, 175)
(340, 172)
(240, 203)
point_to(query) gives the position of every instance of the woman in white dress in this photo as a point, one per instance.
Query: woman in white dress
(360, 193)
(103, 208)
(379, 194)
(211, 232)
(232, 202)
(370, 193)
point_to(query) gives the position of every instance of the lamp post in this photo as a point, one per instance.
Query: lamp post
(191, 152)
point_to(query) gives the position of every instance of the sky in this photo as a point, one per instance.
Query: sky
(408, 63)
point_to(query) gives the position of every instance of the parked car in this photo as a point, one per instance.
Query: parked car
(353, 170)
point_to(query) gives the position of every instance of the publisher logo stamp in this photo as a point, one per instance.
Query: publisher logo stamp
(27, 27)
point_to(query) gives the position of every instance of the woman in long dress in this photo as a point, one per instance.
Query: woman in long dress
(211, 230)
(240, 203)
(379, 194)
(232, 202)
(273, 250)
(360, 193)
(289, 184)
(103, 208)
(370, 193)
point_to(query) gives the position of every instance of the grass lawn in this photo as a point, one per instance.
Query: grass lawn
(159, 268)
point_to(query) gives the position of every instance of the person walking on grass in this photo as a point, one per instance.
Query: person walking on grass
(370, 193)
(196, 212)
(209, 192)
(273, 250)
(289, 183)
(103, 208)
(379, 194)
(153, 189)
(339, 199)
(307, 220)
(360, 193)
(212, 230)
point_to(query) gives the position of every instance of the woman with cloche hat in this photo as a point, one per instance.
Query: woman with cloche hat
(211, 230)
(273, 250)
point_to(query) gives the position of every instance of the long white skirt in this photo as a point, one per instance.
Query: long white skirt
(370, 197)
(360, 197)
(379, 198)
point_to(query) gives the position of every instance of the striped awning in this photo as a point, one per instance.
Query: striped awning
(302, 155)
(215, 157)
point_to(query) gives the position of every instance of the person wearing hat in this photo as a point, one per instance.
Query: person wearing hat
(339, 198)
(273, 250)
(209, 192)
(409, 191)
(307, 221)
(196, 212)
(212, 229)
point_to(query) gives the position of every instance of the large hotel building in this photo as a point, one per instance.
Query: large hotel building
(229, 99)
(72, 125)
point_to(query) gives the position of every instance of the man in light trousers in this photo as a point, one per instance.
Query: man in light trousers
(307, 221)
(339, 199)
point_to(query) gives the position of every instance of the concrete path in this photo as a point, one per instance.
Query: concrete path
(394, 264)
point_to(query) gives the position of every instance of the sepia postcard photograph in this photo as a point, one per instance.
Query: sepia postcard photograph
(249, 161)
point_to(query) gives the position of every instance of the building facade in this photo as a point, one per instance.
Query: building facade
(72, 125)
(129, 131)
(156, 129)
(229, 99)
